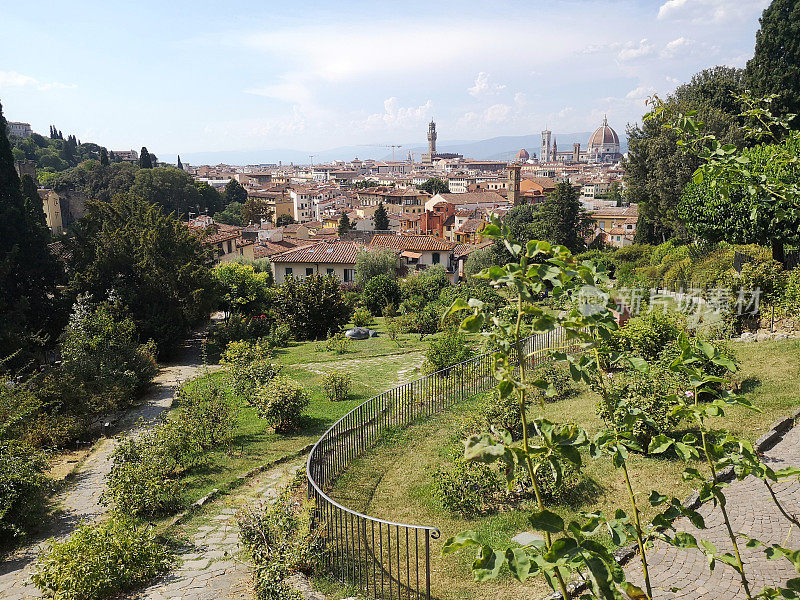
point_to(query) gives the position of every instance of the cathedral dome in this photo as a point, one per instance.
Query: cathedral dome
(522, 155)
(604, 136)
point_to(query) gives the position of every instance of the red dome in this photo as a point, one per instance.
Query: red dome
(522, 155)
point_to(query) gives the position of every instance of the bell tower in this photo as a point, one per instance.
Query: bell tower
(432, 138)
(544, 154)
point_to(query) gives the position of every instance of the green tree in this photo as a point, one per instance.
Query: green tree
(104, 157)
(314, 306)
(99, 347)
(234, 192)
(256, 209)
(374, 262)
(28, 272)
(656, 168)
(210, 198)
(170, 188)
(380, 292)
(739, 217)
(242, 289)
(563, 218)
(380, 218)
(434, 186)
(145, 161)
(232, 215)
(152, 262)
(775, 66)
(284, 219)
(344, 223)
(477, 261)
(180, 164)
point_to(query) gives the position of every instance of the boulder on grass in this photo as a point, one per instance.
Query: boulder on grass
(357, 333)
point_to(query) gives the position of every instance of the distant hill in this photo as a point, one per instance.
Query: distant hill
(497, 148)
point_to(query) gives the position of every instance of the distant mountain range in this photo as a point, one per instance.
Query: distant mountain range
(497, 148)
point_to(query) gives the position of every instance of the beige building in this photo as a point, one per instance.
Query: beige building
(417, 251)
(51, 203)
(323, 258)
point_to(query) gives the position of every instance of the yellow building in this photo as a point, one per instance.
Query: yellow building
(52, 211)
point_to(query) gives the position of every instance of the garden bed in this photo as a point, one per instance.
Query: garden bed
(395, 482)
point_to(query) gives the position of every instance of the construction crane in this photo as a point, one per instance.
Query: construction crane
(311, 156)
(392, 146)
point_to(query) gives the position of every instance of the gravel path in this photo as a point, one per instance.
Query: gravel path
(80, 498)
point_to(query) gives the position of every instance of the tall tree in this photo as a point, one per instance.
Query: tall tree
(380, 218)
(234, 192)
(180, 165)
(256, 209)
(434, 186)
(168, 187)
(152, 262)
(775, 66)
(656, 168)
(145, 162)
(28, 272)
(563, 218)
(344, 223)
(210, 198)
(104, 157)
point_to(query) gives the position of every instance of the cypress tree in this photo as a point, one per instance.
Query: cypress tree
(180, 166)
(104, 157)
(145, 162)
(775, 66)
(380, 218)
(344, 223)
(28, 272)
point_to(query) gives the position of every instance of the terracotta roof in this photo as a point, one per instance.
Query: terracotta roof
(474, 198)
(411, 242)
(267, 249)
(220, 236)
(467, 249)
(323, 252)
(617, 211)
(471, 226)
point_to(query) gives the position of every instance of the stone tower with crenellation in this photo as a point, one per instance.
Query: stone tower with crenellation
(432, 138)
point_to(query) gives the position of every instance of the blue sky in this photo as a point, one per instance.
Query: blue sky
(209, 76)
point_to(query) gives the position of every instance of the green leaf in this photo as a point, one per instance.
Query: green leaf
(633, 592)
(660, 443)
(461, 541)
(546, 520)
(639, 364)
(519, 563)
(473, 323)
(488, 563)
(457, 305)
(483, 448)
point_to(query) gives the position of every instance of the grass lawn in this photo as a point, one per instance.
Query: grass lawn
(395, 481)
(375, 364)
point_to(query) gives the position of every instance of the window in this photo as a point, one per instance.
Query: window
(288, 271)
(329, 271)
(436, 258)
(349, 275)
(309, 271)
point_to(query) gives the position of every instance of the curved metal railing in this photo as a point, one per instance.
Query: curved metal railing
(383, 558)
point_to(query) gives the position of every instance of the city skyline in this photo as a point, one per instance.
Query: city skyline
(265, 77)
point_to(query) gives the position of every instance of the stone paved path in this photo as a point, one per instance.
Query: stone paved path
(684, 574)
(213, 566)
(79, 500)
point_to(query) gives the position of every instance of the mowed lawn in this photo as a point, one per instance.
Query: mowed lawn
(374, 364)
(395, 482)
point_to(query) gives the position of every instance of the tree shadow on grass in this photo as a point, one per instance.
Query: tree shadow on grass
(749, 385)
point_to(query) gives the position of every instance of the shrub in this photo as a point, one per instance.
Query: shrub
(427, 284)
(337, 385)
(100, 348)
(504, 413)
(23, 489)
(243, 289)
(448, 350)
(281, 403)
(142, 479)
(362, 317)
(338, 344)
(249, 368)
(466, 488)
(557, 376)
(207, 412)
(280, 335)
(314, 307)
(281, 539)
(649, 334)
(379, 292)
(375, 262)
(238, 328)
(101, 560)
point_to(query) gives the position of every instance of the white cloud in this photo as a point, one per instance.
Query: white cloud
(497, 113)
(483, 87)
(715, 11)
(395, 116)
(633, 50)
(640, 93)
(676, 47)
(11, 79)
